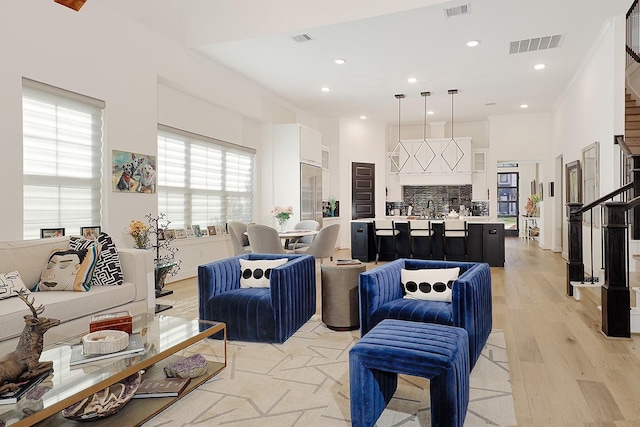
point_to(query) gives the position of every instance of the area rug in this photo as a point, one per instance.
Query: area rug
(305, 382)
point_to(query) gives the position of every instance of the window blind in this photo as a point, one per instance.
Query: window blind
(203, 181)
(62, 159)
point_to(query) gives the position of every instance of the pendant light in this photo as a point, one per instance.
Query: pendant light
(425, 150)
(397, 151)
(452, 153)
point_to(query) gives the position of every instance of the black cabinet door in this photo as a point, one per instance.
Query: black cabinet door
(475, 243)
(493, 244)
(362, 243)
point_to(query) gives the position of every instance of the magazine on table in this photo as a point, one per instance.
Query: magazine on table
(161, 387)
(24, 387)
(348, 262)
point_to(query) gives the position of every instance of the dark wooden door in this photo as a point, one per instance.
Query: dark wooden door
(363, 184)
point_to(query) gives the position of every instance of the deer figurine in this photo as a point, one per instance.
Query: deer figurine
(24, 363)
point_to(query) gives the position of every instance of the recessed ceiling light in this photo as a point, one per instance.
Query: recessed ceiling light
(339, 61)
(429, 112)
(412, 79)
(524, 105)
(539, 67)
(473, 43)
(325, 89)
(363, 117)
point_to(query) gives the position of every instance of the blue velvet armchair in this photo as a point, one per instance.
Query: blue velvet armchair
(470, 307)
(270, 314)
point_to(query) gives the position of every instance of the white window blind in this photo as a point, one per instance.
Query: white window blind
(203, 181)
(62, 159)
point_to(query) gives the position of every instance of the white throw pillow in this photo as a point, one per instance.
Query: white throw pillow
(256, 273)
(433, 284)
(10, 284)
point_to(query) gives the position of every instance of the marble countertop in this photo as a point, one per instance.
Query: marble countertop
(402, 219)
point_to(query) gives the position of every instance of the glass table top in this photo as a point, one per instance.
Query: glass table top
(162, 336)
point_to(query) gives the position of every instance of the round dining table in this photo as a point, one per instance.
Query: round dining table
(293, 235)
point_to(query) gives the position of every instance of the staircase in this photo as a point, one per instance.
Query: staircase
(632, 123)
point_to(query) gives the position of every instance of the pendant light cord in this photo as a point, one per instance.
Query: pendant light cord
(425, 118)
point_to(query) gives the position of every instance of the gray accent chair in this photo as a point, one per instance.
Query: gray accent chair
(239, 240)
(324, 243)
(265, 240)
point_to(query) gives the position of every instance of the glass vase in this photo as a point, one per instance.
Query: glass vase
(282, 224)
(141, 241)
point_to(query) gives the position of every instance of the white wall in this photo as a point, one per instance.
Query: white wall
(143, 78)
(592, 109)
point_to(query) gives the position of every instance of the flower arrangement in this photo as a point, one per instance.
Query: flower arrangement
(532, 205)
(282, 214)
(140, 233)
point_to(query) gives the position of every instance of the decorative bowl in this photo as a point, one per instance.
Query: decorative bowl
(106, 402)
(104, 342)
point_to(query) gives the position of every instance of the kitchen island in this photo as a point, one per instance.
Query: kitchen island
(485, 241)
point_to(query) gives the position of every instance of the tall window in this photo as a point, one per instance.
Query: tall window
(62, 159)
(203, 181)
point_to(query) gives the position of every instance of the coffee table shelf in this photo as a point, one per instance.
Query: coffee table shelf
(163, 337)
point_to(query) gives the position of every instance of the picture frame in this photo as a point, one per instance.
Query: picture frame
(51, 232)
(590, 181)
(204, 231)
(190, 232)
(196, 230)
(212, 230)
(133, 172)
(90, 233)
(573, 179)
(161, 234)
(169, 234)
(181, 233)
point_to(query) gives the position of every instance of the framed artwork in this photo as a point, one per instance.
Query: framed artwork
(51, 232)
(160, 234)
(590, 181)
(169, 234)
(212, 230)
(197, 231)
(133, 172)
(573, 178)
(180, 233)
(204, 231)
(90, 233)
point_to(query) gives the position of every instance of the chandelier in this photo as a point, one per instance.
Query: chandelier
(452, 153)
(399, 151)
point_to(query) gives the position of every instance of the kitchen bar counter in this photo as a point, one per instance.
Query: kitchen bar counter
(485, 241)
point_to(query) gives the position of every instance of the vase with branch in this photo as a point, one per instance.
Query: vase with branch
(165, 262)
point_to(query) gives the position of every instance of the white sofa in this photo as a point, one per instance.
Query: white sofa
(73, 309)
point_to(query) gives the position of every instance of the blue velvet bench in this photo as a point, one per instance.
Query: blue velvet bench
(439, 353)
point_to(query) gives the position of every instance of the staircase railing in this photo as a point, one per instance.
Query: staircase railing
(633, 33)
(615, 254)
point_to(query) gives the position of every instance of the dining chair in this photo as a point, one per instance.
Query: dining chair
(307, 224)
(324, 243)
(265, 240)
(239, 240)
(454, 230)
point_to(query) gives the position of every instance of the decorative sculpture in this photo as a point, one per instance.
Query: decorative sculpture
(24, 363)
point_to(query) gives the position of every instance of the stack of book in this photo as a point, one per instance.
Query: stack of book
(24, 387)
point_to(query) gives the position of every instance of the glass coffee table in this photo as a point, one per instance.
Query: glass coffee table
(163, 337)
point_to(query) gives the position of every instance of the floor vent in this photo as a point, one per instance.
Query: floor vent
(457, 11)
(302, 38)
(537, 43)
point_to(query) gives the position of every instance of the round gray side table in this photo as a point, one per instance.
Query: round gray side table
(340, 297)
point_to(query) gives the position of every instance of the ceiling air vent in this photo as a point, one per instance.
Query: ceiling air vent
(457, 11)
(537, 43)
(302, 38)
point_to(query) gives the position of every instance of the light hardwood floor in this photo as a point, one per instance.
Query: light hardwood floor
(564, 371)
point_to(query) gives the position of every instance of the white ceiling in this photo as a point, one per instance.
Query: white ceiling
(385, 42)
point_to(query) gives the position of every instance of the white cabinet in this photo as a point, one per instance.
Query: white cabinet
(435, 156)
(479, 161)
(310, 146)
(480, 187)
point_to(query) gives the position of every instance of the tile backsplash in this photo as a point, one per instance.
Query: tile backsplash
(440, 198)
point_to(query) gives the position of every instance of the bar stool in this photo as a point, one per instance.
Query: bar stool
(385, 228)
(454, 229)
(420, 229)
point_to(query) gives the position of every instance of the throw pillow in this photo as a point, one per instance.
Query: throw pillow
(10, 284)
(108, 271)
(433, 284)
(256, 273)
(68, 270)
